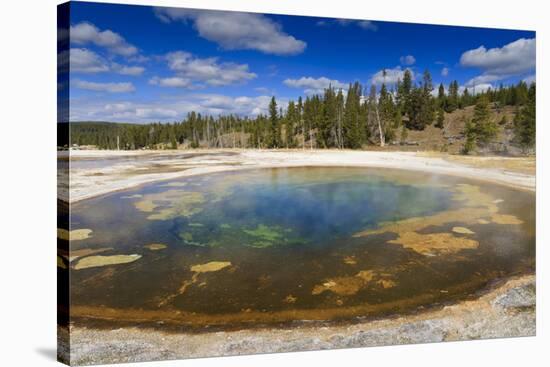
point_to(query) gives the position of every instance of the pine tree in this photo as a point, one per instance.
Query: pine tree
(339, 119)
(326, 123)
(525, 123)
(485, 127)
(173, 142)
(352, 125)
(429, 108)
(274, 132)
(300, 112)
(387, 113)
(441, 99)
(470, 134)
(452, 100)
(291, 120)
(440, 118)
(404, 89)
(421, 111)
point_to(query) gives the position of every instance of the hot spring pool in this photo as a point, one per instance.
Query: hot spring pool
(271, 246)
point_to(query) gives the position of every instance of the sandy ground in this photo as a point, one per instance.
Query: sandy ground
(147, 166)
(506, 309)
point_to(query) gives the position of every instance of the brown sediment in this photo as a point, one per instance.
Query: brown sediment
(434, 243)
(290, 299)
(482, 317)
(99, 260)
(348, 286)
(386, 283)
(197, 270)
(181, 318)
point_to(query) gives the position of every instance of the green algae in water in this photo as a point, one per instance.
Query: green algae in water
(289, 236)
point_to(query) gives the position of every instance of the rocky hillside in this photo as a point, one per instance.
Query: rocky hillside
(451, 138)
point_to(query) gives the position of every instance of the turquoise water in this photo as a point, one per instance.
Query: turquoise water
(286, 239)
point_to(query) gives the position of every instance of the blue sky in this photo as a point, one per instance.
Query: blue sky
(142, 64)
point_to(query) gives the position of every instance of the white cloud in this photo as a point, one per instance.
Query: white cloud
(264, 90)
(530, 79)
(475, 89)
(483, 79)
(167, 110)
(129, 111)
(407, 60)
(104, 87)
(173, 82)
(139, 59)
(314, 85)
(237, 31)
(83, 60)
(445, 71)
(365, 24)
(392, 76)
(86, 33)
(207, 70)
(515, 58)
(216, 104)
(128, 70)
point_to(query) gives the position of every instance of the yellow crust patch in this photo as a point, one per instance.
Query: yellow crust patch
(75, 254)
(211, 266)
(462, 230)
(290, 299)
(505, 219)
(348, 286)
(155, 246)
(477, 207)
(197, 270)
(434, 243)
(170, 204)
(99, 260)
(74, 235)
(350, 260)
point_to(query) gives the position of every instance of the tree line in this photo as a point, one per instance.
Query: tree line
(336, 118)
